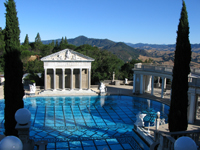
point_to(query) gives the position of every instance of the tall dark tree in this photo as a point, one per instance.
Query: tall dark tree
(2, 46)
(13, 70)
(26, 41)
(38, 42)
(2, 43)
(66, 42)
(63, 44)
(179, 99)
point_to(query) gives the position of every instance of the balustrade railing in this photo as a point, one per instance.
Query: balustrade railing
(192, 81)
(154, 67)
(166, 140)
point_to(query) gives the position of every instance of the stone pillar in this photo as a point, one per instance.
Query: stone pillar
(192, 107)
(88, 78)
(72, 78)
(149, 78)
(158, 83)
(152, 85)
(165, 85)
(23, 133)
(134, 82)
(80, 80)
(162, 91)
(63, 80)
(54, 78)
(45, 78)
(141, 84)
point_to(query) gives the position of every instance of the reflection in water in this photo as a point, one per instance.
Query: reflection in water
(33, 102)
(163, 108)
(102, 100)
(148, 101)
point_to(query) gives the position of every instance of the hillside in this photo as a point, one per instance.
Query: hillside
(167, 57)
(163, 47)
(161, 54)
(123, 51)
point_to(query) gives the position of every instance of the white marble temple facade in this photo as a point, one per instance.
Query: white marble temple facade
(67, 69)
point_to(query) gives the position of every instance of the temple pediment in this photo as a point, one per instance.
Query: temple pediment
(66, 55)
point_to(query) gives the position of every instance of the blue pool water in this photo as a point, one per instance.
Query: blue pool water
(87, 122)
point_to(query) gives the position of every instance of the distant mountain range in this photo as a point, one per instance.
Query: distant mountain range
(122, 50)
(129, 51)
(163, 47)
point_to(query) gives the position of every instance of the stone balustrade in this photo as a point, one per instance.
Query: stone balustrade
(166, 140)
(167, 69)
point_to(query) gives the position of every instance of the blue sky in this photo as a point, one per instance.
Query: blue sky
(133, 21)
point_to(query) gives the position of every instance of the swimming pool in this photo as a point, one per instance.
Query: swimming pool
(87, 122)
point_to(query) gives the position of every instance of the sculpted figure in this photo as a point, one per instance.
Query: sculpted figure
(102, 88)
(68, 54)
(139, 122)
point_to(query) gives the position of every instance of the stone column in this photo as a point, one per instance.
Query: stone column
(134, 82)
(162, 91)
(63, 80)
(88, 78)
(192, 107)
(152, 85)
(45, 78)
(72, 78)
(54, 78)
(80, 80)
(149, 78)
(158, 83)
(141, 84)
(165, 85)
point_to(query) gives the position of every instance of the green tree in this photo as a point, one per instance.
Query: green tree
(104, 65)
(26, 41)
(65, 41)
(38, 43)
(46, 50)
(2, 46)
(63, 44)
(13, 70)
(25, 46)
(52, 43)
(56, 47)
(2, 43)
(126, 69)
(179, 99)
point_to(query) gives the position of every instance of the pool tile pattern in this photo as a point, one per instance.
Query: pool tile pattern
(86, 122)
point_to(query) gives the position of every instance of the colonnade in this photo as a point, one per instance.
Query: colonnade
(144, 83)
(67, 78)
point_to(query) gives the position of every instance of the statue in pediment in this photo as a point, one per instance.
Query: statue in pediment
(67, 55)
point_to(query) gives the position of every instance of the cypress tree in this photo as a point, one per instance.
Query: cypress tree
(2, 43)
(38, 42)
(13, 70)
(179, 99)
(66, 42)
(26, 41)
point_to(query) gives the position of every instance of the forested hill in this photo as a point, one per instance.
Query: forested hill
(122, 50)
